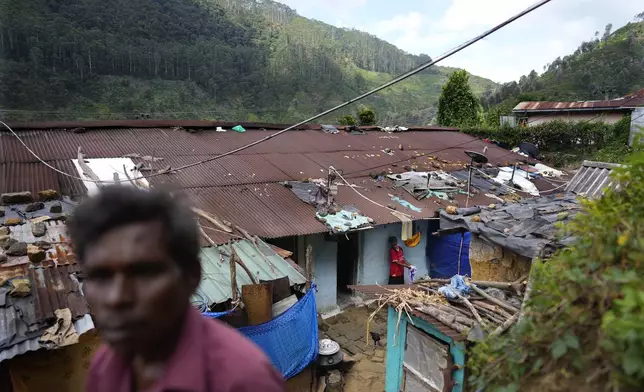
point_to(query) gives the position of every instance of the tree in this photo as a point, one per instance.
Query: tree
(367, 116)
(457, 105)
(347, 120)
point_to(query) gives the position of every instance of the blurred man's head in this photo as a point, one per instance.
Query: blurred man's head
(393, 241)
(140, 256)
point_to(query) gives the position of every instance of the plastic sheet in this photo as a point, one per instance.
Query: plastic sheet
(442, 253)
(291, 339)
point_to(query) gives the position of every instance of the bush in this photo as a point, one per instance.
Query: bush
(563, 142)
(583, 329)
(347, 120)
(367, 116)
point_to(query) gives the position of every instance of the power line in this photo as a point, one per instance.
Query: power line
(347, 103)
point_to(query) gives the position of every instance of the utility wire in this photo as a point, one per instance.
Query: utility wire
(347, 103)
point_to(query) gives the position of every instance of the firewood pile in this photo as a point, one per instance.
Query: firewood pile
(490, 308)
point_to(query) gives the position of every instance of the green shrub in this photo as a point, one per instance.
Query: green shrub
(347, 120)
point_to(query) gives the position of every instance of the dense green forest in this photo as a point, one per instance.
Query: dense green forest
(610, 65)
(208, 59)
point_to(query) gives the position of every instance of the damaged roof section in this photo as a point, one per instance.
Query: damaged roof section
(29, 299)
(260, 258)
(524, 227)
(592, 179)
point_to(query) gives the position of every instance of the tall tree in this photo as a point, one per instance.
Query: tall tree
(457, 105)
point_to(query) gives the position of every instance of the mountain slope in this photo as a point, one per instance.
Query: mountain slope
(216, 59)
(604, 67)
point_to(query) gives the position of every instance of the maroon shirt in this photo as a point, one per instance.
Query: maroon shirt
(210, 357)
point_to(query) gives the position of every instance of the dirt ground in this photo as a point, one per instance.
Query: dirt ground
(349, 329)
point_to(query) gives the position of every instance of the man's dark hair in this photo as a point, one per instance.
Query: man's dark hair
(117, 206)
(392, 241)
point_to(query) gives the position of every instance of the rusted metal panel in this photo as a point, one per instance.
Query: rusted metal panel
(33, 177)
(629, 101)
(258, 299)
(296, 167)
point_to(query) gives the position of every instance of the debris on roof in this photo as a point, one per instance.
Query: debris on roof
(524, 227)
(243, 188)
(346, 219)
(262, 261)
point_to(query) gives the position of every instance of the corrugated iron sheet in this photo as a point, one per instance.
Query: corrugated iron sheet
(262, 261)
(628, 101)
(24, 318)
(592, 179)
(82, 325)
(244, 188)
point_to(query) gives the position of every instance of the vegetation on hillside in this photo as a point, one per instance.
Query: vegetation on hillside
(211, 59)
(608, 66)
(583, 329)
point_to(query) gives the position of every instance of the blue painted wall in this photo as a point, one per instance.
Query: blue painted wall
(396, 338)
(325, 268)
(374, 266)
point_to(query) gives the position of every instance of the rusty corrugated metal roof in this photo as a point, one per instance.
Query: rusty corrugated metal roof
(629, 101)
(244, 188)
(592, 179)
(26, 318)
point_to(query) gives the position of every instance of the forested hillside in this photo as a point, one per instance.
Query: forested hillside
(209, 59)
(608, 66)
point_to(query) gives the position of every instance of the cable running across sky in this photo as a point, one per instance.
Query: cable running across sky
(347, 103)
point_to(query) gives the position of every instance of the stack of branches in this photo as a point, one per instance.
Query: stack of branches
(403, 300)
(483, 309)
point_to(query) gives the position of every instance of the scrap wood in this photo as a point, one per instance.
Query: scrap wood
(487, 296)
(237, 259)
(86, 169)
(403, 300)
(492, 308)
(469, 305)
(445, 318)
(212, 219)
(507, 324)
(518, 284)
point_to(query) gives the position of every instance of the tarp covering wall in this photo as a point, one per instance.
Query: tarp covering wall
(291, 339)
(442, 255)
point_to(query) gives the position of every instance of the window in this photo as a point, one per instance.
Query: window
(425, 363)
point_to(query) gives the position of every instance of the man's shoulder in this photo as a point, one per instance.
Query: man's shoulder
(244, 363)
(228, 341)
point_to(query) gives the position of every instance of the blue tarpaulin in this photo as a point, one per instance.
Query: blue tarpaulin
(442, 256)
(291, 339)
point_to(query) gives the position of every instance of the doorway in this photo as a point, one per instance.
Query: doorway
(347, 259)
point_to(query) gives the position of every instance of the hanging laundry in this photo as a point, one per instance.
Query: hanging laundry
(413, 241)
(239, 128)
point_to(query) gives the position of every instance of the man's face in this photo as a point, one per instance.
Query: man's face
(136, 292)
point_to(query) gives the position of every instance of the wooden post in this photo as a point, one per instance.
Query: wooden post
(233, 275)
(309, 260)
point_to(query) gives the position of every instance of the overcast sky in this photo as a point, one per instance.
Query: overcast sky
(435, 26)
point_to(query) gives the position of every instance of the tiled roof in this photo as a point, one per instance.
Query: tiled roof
(244, 188)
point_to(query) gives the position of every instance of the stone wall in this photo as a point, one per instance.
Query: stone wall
(494, 263)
